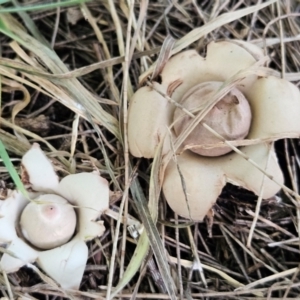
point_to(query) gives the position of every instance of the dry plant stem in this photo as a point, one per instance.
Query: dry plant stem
(182, 180)
(118, 26)
(40, 110)
(295, 154)
(120, 38)
(64, 97)
(259, 200)
(247, 250)
(164, 56)
(282, 45)
(24, 81)
(2, 289)
(294, 184)
(213, 24)
(274, 41)
(13, 86)
(271, 278)
(84, 142)
(106, 142)
(130, 221)
(137, 39)
(271, 289)
(49, 281)
(203, 295)
(252, 24)
(274, 21)
(289, 288)
(34, 136)
(126, 84)
(188, 264)
(162, 211)
(178, 258)
(270, 223)
(199, 11)
(272, 259)
(155, 274)
(196, 256)
(240, 143)
(295, 179)
(19, 65)
(293, 241)
(74, 136)
(101, 40)
(166, 11)
(204, 243)
(294, 170)
(7, 283)
(103, 72)
(241, 266)
(115, 242)
(54, 34)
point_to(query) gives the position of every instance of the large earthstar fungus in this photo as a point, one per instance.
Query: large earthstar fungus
(52, 228)
(257, 108)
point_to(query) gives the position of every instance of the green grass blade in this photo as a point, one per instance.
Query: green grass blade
(154, 238)
(137, 258)
(42, 6)
(12, 171)
(151, 213)
(6, 31)
(30, 25)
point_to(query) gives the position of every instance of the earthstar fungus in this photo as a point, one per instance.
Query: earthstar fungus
(55, 226)
(230, 117)
(256, 108)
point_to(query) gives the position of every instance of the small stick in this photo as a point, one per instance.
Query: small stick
(235, 255)
(270, 223)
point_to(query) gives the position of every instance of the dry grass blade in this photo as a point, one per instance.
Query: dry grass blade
(155, 241)
(11, 297)
(270, 278)
(79, 95)
(259, 200)
(189, 264)
(241, 143)
(143, 243)
(109, 77)
(80, 75)
(136, 37)
(149, 217)
(33, 135)
(197, 33)
(163, 57)
(20, 66)
(12, 144)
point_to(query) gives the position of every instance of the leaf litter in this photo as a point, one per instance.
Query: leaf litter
(83, 84)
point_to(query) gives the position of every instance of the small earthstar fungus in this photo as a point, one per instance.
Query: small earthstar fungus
(53, 227)
(263, 108)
